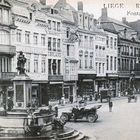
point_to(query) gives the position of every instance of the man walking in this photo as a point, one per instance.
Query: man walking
(110, 105)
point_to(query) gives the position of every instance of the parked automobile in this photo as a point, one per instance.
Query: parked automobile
(105, 94)
(90, 114)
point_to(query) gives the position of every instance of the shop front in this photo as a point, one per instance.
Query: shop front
(112, 83)
(70, 91)
(86, 84)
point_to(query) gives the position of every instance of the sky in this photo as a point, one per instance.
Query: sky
(94, 7)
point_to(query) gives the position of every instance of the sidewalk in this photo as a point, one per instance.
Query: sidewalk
(56, 103)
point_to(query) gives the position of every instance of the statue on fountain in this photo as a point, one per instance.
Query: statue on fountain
(21, 60)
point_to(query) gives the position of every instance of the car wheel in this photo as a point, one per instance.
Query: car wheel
(64, 117)
(96, 115)
(92, 118)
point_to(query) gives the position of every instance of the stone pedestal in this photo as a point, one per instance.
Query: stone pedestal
(22, 91)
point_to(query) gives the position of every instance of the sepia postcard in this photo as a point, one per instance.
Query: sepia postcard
(69, 69)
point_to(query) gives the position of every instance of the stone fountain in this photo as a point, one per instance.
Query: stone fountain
(20, 124)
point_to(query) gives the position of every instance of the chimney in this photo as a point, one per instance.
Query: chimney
(43, 2)
(124, 20)
(104, 15)
(80, 6)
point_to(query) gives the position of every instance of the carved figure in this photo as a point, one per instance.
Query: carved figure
(21, 63)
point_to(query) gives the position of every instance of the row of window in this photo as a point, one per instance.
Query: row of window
(100, 47)
(53, 25)
(126, 50)
(111, 63)
(28, 38)
(126, 64)
(36, 67)
(85, 41)
(86, 63)
(54, 44)
(111, 42)
(100, 68)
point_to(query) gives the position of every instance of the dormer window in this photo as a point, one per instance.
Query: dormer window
(31, 16)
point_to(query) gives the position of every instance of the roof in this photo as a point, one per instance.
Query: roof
(63, 4)
(135, 25)
(66, 11)
(119, 27)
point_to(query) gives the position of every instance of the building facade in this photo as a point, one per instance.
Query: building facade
(112, 61)
(31, 39)
(128, 48)
(70, 50)
(7, 50)
(86, 52)
(100, 59)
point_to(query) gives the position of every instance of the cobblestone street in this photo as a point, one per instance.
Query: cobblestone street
(120, 124)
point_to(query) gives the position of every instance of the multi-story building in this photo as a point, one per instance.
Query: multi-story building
(128, 48)
(31, 39)
(70, 46)
(7, 50)
(100, 59)
(86, 52)
(55, 54)
(112, 61)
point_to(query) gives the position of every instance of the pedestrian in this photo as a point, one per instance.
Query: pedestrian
(63, 100)
(71, 99)
(110, 105)
(56, 110)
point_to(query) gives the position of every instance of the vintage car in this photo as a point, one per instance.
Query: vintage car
(76, 113)
(105, 94)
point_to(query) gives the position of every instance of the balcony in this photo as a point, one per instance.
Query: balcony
(7, 75)
(7, 49)
(55, 78)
